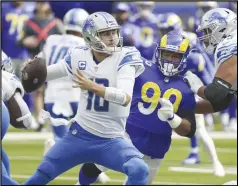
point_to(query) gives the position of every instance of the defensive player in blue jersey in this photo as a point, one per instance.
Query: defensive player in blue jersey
(196, 63)
(159, 92)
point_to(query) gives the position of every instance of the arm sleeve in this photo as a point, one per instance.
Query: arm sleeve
(56, 71)
(126, 79)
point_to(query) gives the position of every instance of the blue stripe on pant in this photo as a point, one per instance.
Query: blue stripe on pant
(60, 131)
(80, 146)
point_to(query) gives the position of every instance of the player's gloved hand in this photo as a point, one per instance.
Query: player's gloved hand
(166, 113)
(193, 81)
(82, 82)
(44, 115)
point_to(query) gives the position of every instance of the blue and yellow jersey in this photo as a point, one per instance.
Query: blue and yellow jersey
(149, 87)
(146, 34)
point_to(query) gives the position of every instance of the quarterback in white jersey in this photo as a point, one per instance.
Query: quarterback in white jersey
(105, 71)
(219, 27)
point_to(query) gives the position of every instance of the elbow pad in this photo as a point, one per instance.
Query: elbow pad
(192, 130)
(115, 95)
(218, 94)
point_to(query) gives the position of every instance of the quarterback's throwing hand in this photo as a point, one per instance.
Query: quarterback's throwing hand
(193, 81)
(81, 81)
(166, 111)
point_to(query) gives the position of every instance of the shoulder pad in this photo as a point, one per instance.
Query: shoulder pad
(226, 49)
(14, 81)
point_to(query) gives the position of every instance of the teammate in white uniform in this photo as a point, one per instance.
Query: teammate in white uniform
(17, 114)
(219, 27)
(105, 72)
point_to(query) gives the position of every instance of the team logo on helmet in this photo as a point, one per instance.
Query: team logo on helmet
(89, 25)
(217, 16)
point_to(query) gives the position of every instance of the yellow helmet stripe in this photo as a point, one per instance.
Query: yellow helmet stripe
(184, 45)
(163, 41)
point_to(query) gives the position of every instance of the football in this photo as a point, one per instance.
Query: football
(34, 74)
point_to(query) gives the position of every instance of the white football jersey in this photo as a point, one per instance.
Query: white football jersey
(226, 49)
(96, 115)
(55, 49)
(14, 82)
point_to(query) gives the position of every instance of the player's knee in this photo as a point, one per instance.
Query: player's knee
(90, 170)
(47, 168)
(136, 168)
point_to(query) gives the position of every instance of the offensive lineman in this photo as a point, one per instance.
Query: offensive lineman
(19, 115)
(98, 128)
(219, 27)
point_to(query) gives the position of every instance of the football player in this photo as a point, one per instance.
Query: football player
(55, 49)
(17, 113)
(105, 71)
(219, 28)
(196, 63)
(142, 28)
(161, 102)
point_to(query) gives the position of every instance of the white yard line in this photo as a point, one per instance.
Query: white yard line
(71, 178)
(45, 135)
(201, 170)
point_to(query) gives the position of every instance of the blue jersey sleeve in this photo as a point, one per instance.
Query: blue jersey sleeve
(67, 62)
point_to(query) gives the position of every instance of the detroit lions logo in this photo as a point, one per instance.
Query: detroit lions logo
(217, 16)
(89, 25)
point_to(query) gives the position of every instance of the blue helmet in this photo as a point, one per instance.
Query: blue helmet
(168, 22)
(171, 53)
(6, 64)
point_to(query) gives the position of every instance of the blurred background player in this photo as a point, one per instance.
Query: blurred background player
(129, 32)
(197, 64)
(33, 36)
(143, 29)
(60, 98)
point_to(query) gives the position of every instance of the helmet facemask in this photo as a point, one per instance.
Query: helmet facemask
(211, 37)
(170, 62)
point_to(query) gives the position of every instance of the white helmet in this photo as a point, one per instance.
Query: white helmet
(74, 18)
(216, 25)
(100, 22)
(6, 64)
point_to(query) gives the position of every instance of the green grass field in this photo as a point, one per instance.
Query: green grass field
(26, 155)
